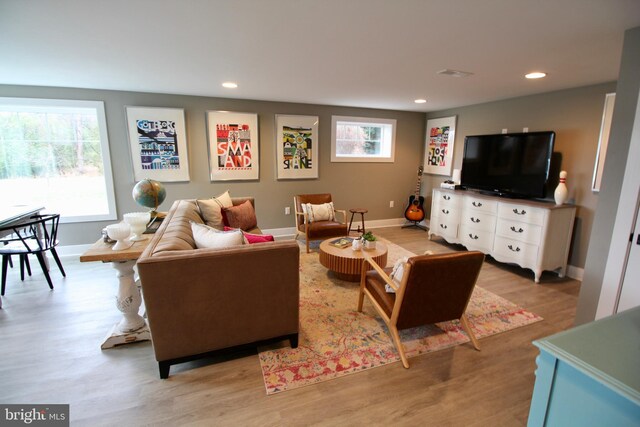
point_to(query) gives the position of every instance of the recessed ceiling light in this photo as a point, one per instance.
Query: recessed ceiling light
(420, 101)
(454, 73)
(535, 75)
(230, 85)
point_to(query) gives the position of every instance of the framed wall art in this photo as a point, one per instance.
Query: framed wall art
(438, 150)
(297, 147)
(233, 145)
(158, 141)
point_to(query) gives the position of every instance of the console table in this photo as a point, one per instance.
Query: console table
(589, 376)
(132, 327)
(531, 234)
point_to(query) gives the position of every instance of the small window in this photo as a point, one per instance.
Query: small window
(55, 153)
(359, 139)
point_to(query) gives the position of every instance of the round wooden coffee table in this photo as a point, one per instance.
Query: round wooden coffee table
(347, 263)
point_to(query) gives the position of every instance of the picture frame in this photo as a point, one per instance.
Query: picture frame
(439, 142)
(603, 141)
(234, 153)
(297, 147)
(158, 143)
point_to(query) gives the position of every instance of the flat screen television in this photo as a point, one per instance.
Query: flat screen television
(510, 164)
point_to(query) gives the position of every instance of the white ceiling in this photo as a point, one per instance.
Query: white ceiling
(362, 53)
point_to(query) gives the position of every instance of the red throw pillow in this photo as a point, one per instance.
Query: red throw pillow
(242, 216)
(253, 238)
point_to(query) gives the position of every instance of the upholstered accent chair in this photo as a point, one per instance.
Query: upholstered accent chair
(317, 229)
(433, 288)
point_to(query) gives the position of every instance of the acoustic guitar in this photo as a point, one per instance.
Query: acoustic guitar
(415, 210)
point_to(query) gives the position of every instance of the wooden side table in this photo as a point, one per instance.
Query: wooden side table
(347, 263)
(357, 211)
(132, 327)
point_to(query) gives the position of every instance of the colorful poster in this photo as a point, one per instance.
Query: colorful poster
(296, 146)
(158, 141)
(233, 145)
(438, 150)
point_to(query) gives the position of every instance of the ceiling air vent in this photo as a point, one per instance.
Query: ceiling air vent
(454, 73)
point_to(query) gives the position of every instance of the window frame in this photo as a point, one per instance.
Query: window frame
(335, 120)
(98, 106)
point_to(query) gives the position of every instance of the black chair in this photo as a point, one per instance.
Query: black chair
(36, 236)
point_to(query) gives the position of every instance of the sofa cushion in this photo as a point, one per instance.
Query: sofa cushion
(211, 209)
(242, 216)
(211, 238)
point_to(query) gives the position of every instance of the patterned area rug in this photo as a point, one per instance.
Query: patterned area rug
(335, 340)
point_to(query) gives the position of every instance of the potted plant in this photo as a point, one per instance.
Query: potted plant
(369, 240)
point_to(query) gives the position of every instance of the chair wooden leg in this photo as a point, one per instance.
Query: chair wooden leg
(57, 259)
(396, 340)
(465, 325)
(362, 284)
(307, 242)
(5, 265)
(45, 270)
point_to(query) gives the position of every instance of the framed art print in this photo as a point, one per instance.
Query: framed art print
(438, 150)
(297, 147)
(233, 145)
(158, 141)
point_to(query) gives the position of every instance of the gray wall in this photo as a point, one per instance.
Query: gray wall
(368, 185)
(574, 115)
(618, 149)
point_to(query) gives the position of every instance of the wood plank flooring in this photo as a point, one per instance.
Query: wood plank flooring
(50, 353)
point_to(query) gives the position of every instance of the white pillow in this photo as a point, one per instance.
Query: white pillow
(396, 274)
(210, 238)
(211, 209)
(323, 212)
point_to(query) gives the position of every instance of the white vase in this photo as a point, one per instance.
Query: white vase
(561, 193)
(369, 244)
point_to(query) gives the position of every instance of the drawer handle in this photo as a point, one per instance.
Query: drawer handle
(476, 220)
(522, 212)
(443, 226)
(446, 197)
(445, 211)
(477, 204)
(473, 237)
(517, 249)
(520, 230)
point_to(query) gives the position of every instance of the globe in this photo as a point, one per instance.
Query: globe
(149, 193)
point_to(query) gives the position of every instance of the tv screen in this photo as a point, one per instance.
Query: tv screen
(510, 164)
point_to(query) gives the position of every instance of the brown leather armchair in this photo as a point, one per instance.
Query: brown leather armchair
(317, 230)
(434, 288)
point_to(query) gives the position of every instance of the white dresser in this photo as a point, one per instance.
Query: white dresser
(531, 234)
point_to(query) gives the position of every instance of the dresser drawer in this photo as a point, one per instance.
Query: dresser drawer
(519, 252)
(476, 239)
(444, 227)
(477, 220)
(444, 198)
(521, 231)
(521, 213)
(480, 204)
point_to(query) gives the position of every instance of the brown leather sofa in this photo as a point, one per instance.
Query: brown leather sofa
(199, 301)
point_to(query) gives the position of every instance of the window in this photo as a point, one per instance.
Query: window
(359, 139)
(55, 153)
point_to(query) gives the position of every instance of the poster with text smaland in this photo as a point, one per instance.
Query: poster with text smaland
(233, 146)
(438, 150)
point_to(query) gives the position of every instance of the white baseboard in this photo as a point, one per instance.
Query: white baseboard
(576, 273)
(72, 250)
(290, 232)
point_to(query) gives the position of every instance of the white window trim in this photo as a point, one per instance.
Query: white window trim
(363, 120)
(104, 143)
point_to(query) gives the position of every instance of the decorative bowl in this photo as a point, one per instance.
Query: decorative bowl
(119, 232)
(138, 222)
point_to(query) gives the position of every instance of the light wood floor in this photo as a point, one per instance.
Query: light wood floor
(50, 353)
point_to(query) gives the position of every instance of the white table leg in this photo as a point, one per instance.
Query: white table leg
(132, 327)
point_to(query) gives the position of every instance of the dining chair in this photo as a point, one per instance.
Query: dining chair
(36, 236)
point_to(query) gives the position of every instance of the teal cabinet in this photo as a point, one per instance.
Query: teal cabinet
(589, 375)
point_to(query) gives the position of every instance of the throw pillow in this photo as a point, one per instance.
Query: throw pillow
(210, 238)
(396, 274)
(252, 238)
(211, 209)
(322, 212)
(242, 216)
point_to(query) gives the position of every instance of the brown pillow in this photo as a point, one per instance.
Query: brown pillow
(242, 216)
